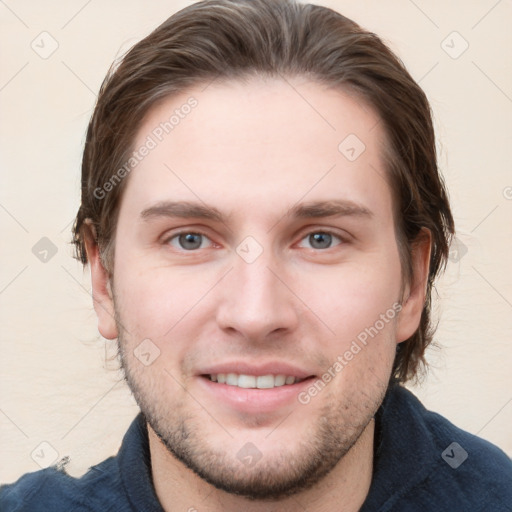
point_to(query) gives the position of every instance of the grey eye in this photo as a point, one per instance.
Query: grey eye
(187, 241)
(320, 240)
(190, 241)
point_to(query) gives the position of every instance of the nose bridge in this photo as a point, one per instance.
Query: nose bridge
(256, 284)
(256, 302)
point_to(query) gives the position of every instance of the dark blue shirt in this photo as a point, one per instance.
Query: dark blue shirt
(422, 463)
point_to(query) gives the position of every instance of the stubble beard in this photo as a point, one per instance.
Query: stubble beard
(276, 475)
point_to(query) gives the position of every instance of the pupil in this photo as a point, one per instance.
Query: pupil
(190, 241)
(321, 240)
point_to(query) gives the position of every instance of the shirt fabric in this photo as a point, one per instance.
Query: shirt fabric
(422, 463)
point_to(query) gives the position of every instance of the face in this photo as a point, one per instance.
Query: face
(257, 281)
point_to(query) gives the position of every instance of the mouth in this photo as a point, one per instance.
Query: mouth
(240, 380)
(254, 388)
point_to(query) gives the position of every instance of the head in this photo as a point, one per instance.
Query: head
(269, 115)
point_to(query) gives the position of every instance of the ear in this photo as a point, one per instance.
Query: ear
(415, 291)
(101, 289)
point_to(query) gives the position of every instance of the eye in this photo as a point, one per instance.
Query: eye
(187, 241)
(322, 239)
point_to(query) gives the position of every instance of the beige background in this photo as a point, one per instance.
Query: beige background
(56, 386)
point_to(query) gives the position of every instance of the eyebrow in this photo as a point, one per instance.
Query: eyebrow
(182, 209)
(330, 208)
(312, 209)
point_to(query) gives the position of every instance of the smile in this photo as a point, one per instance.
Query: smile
(253, 381)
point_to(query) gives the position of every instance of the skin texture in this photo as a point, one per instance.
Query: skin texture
(254, 150)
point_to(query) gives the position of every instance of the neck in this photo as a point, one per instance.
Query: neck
(344, 489)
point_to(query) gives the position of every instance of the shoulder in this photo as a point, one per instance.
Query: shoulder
(53, 489)
(463, 470)
(469, 467)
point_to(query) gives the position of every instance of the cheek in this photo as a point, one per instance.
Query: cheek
(360, 304)
(352, 298)
(158, 303)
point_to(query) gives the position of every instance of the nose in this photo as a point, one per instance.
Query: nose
(257, 301)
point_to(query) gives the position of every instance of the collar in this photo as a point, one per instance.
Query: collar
(134, 461)
(404, 449)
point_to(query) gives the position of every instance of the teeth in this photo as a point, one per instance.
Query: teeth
(265, 382)
(232, 379)
(280, 380)
(245, 381)
(252, 381)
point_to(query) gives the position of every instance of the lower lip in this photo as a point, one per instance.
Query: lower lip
(255, 401)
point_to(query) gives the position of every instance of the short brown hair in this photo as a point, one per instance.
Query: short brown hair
(233, 39)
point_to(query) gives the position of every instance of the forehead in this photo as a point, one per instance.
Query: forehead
(260, 144)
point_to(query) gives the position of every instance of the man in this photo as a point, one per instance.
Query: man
(264, 220)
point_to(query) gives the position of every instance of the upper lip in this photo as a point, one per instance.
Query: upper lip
(246, 368)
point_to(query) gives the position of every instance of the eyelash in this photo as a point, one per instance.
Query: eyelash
(198, 232)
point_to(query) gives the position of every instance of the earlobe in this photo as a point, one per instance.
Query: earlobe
(415, 293)
(101, 287)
